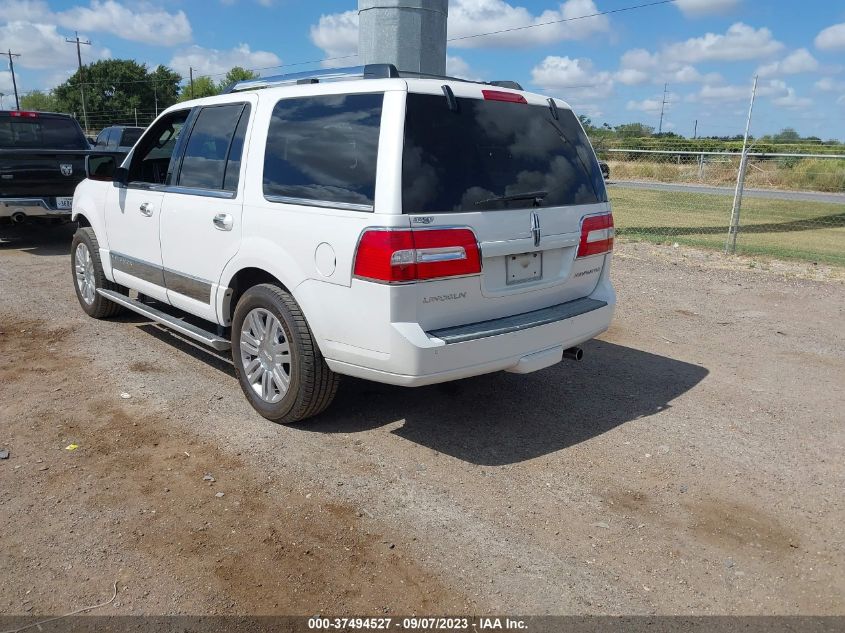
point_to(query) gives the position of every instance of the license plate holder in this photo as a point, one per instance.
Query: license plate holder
(64, 202)
(523, 267)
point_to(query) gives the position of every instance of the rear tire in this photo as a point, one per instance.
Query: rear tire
(87, 270)
(279, 365)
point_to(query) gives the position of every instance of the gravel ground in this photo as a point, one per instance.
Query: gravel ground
(692, 463)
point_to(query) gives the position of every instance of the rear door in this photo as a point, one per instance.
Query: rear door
(202, 210)
(522, 175)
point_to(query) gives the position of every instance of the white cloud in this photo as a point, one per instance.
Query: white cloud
(639, 66)
(23, 10)
(828, 84)
(471, 17)
(337, 33)
(790, 100)
(572, 78)
(458, 67)
(6, 83)
(832, 38)
(42, 46)
(698, 8)
(148, 25)
(651, 106)
(800, 61)
(210, 61)
(632, 76)
(741, 42)
(722, 94)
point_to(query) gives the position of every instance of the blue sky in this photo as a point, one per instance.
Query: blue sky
(611, 68)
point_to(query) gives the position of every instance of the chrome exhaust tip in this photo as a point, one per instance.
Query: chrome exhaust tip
(573, 353)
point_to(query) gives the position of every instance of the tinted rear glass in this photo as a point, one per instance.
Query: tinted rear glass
(41, 133)
(130, 137)
(324, 149)
(466, 160)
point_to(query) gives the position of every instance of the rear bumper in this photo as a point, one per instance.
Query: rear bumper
(521, 343)
(31, 207)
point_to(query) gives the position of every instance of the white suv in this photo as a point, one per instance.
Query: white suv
(400, 229)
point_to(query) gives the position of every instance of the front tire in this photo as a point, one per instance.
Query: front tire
(279, 366)
(87, 270)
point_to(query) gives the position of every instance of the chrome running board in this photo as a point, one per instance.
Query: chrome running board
(175, 323)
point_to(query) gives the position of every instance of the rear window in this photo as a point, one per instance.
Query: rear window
(130, 137)
(41, 133)
(324, 150)
(494, 155)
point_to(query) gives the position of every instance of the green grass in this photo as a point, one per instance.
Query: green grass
(812, 231)
(806, 174)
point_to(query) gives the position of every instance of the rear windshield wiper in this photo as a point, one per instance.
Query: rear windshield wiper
(536, 196)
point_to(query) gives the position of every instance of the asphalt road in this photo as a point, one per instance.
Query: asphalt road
(770, 194)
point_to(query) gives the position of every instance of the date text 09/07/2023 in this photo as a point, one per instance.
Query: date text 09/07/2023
(419, 624)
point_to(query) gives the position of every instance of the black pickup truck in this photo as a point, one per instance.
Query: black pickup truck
(42, 159)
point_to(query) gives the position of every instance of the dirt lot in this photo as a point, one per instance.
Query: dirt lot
(691, 463)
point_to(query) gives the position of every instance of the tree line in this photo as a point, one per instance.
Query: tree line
(115, 88)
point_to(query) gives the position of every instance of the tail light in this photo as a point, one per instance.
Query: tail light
(24, 114)
(414, 255)
(596, 235)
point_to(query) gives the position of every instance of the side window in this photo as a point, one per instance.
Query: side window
(324, 149)
(102, 137)
(209, 147)
(151, 158)
(233, 165)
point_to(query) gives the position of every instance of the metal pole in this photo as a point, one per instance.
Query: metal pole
(78, 43)
(662, 106)
(191, 71)
(14, 82)
(136, 117)
(733, 229)
(155, 96)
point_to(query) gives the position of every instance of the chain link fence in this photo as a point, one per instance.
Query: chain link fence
(788, 205)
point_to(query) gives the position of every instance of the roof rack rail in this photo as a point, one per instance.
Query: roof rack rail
(368, 71)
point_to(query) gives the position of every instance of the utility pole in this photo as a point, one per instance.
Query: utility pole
(191, 71)
(14, 82)
(662, 107)
(733, 229)
(78, 43)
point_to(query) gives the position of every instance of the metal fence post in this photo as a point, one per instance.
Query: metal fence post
(733, 228)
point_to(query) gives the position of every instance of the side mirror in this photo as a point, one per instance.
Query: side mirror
(105, 167)
(100, 166)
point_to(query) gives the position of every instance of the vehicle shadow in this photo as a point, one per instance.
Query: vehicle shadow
(505, 418)
(38, 239)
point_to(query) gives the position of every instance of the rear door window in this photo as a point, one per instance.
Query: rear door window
(208, 147)
(494, 155)
(324, 150)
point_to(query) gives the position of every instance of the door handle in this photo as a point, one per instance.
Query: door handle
(223, 221)
(146, 209)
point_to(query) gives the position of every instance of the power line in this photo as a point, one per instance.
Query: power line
(562, 20)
